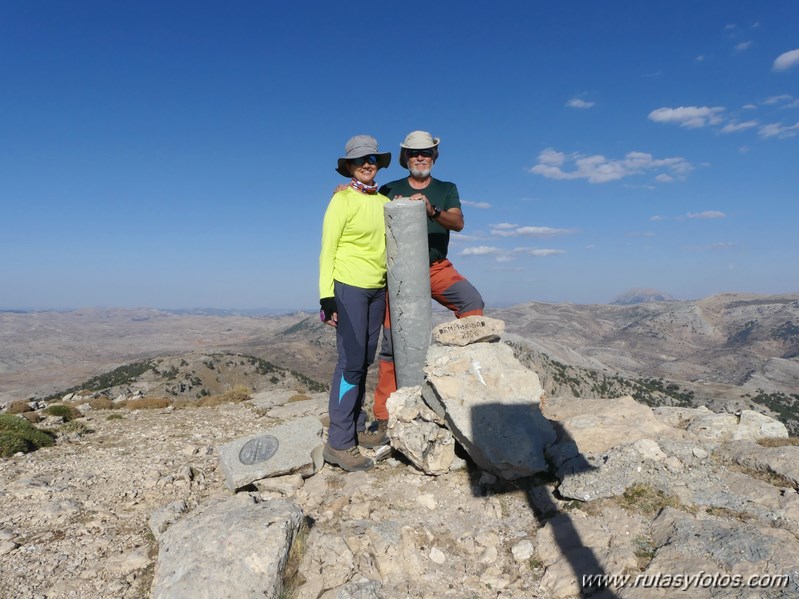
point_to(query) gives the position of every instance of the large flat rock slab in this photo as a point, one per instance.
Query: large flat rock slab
(229, 548)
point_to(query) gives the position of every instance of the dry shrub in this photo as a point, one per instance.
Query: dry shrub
(298, 397)
(18, 407)
(775, 442)
(31, 417)
(101, 403)
(148, 403)
(181, 402)
(237, 394)
(209, 401)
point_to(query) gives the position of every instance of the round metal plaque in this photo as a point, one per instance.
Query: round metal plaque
(258, 450)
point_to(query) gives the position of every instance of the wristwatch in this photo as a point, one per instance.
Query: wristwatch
(436, 212)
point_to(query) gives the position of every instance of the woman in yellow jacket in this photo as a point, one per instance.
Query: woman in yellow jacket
(352, 288)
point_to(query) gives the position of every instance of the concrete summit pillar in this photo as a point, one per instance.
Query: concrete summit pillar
(408, 265)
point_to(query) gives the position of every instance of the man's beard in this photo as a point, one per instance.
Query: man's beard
(419, 174)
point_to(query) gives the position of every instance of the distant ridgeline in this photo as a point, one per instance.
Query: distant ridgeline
(560, 379)
(192, 376)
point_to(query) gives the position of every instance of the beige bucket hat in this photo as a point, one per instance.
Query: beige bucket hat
(417, 140)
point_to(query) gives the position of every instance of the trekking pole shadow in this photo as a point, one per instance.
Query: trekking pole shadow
(515, 425)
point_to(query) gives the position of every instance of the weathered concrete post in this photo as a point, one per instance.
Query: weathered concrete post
(408, 276)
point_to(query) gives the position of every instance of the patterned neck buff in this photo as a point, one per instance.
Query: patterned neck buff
(362, 187)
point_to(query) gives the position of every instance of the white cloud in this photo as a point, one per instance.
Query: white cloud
(786, 60)
(480, 250)
(657, 217)
(664, 178)
(700, 58)
(778, 130)
(750, 107)
(502, 255)
(578, 103)
(734, 126)
(691, 117)
(598, 169)
(743, 46)
(482, 205)
(707, 214)
(505, 230)
(786, 100)
(538, 252)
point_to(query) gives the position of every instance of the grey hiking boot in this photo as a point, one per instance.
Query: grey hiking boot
(348, 459)
(374, 438)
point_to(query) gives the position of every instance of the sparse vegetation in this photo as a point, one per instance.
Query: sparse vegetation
(773, 442)
(123, 375)
(292, 579)
(238, 394)
(643, 499)
(74, 427)
(68, 413)
(19, 435)
(18, 407)
(148, 403)
(298, 397)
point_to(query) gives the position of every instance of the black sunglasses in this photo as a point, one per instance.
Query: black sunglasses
(422, 153)
(371, 159)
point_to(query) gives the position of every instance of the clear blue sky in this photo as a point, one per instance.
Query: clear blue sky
(181, 154)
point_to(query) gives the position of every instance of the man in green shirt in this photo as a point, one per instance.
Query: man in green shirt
(418, 153)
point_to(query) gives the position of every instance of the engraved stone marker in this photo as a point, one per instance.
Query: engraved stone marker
(258, 450)
(294, 447)
(465, 331)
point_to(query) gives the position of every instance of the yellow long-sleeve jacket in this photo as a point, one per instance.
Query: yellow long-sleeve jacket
(353, 242)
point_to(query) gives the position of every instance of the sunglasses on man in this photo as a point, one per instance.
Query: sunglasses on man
(423, 153)
(371, 159)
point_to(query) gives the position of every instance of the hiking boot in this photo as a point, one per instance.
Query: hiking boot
(375, 438)
(348, 459)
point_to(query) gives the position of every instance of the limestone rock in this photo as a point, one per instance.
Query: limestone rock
(490, 403)
(596, 425)
(754, 425)
(419, 433)
(229, 548)
(247, 459)
(783, 461)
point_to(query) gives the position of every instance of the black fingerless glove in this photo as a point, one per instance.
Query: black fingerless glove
(328, 308)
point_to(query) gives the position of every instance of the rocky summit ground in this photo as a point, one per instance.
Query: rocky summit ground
(633, 492)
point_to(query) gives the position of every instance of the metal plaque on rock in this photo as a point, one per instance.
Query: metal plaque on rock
(258, 450)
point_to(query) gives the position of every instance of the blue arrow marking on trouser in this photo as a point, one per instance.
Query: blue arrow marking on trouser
(343, 387)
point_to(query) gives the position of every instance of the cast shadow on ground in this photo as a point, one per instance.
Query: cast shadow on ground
(493, 420)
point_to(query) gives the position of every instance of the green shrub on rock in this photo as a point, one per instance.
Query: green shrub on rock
(68, 413)
(17, 434)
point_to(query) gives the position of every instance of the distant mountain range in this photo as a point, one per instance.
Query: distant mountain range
(729, 351)
(641, 296)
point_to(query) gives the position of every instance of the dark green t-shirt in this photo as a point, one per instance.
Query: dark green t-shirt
(439, 193)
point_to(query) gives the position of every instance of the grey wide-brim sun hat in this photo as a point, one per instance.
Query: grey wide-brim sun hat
(417, 140)
(358, 147)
